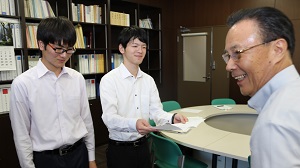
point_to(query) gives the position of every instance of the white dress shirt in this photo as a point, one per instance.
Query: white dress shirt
(125, 99)
(275, 138)
(48, 112)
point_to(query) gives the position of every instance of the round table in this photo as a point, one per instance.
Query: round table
(223, 132)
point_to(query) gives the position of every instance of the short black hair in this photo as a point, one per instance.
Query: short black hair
(131, 33)
(56, 29)
(273, 24)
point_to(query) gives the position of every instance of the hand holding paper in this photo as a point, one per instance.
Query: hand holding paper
(180, 127)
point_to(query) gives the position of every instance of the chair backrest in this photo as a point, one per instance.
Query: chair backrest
(165, 150)
(170, 105)
(222, 101)
(167, 106)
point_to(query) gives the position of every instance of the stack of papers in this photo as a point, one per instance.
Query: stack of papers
(180, 127)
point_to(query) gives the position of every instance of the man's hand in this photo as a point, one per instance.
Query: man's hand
(179, 118)
(92, 164)
(143, 127)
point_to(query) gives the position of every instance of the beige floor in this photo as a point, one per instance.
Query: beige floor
(100, 156)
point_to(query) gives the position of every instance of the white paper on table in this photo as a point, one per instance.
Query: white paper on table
(223, 107)
(180, 127)
(167, 127)
(190, 110)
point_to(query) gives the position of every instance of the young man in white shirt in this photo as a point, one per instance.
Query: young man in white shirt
(50, 115)
(129, 97)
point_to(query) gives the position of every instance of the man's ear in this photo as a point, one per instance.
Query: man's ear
(41, 45)
(280, 48)
(121, 49)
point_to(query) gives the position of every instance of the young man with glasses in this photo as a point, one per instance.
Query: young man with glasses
(258, 52)
(50, 113)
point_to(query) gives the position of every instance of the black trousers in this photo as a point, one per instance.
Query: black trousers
(128, 156)
(78, 158)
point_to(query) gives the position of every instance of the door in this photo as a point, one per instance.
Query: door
(194, 66)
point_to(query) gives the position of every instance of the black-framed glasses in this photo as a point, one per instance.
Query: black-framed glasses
(62, 50)
(236, 55)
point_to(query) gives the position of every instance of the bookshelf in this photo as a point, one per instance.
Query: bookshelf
(101, 39)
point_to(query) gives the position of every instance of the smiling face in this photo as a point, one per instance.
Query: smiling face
(134, 53)
(254, 67)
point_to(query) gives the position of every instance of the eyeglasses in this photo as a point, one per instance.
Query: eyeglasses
(62, 50)
(236, 55)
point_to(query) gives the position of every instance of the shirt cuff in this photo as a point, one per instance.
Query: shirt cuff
(132, 124)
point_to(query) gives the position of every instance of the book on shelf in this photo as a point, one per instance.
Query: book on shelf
(38, 9)
(86, 13)
(19, 64)
(120, 19)
(91, 88)
(145, 23)
(4, 98)
(33, 60)
(17, 35)
(31, 29)
(92, 65)
(100, 63)
(79, 35)
(89, 63)
(7, 7)
(116, 60)
(88, 39)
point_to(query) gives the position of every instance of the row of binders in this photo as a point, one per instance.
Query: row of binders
(31, 29)
(90, 63)
(86, 13)
(7, 7)
(82, 41)
(38, 9)
(119, 19)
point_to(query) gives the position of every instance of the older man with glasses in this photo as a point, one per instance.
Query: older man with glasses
(258, 53)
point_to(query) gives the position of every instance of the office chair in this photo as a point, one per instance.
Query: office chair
(222, 101)
(167, 154)
(168, 106)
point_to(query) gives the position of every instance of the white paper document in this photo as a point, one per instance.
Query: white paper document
(180, 127)
(223, 107)
(190, 110)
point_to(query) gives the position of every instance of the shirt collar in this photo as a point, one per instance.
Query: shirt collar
(280, 79)
(42, 69)
(125, 73)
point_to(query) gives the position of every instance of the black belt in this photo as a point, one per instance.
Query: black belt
(64, 149)
(135, 143)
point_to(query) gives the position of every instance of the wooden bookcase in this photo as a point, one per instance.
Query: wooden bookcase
(104, 41)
